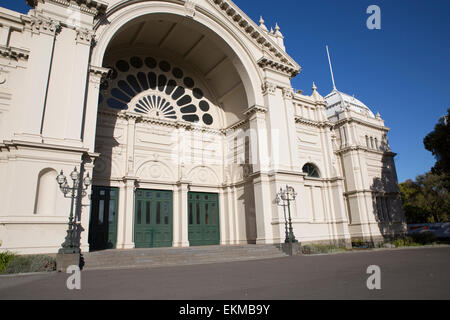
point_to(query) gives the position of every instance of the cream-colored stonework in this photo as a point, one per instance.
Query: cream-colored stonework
(183, 96)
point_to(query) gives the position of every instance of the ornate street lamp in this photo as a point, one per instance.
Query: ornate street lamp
(283, 204)
(287, 196)
(78, 189)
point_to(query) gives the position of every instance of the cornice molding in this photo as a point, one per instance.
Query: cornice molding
(255, 110)
(15, 53)
(267, 63)
(140, 118)
(91, 7)
(362, 122)
(312, 123)
(361, 148)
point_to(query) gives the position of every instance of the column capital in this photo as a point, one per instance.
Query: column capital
(268, 88)
(84, 36)
(41, 24)
(288, 93)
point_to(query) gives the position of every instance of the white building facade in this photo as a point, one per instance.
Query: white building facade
(184, 115)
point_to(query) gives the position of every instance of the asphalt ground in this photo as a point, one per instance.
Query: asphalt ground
(419, 273)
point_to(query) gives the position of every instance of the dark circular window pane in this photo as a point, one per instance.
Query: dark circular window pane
(150, 62)
(115, 104)
(204, 106)
(171, 85)
(208, 119)
(198, 94)
(191, 118)
(178, 93)
(185, 100)
(152, 80)
(136, 62)
(164, 66)
(189, 109)
(123, 66)
(178, 73)
(189, 82)
(116, 93)
(162, 80)
(125, 87)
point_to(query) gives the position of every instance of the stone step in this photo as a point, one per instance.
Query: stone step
(149, 258)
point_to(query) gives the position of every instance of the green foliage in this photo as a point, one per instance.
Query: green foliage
(426, 200)
(320, 249)
(438, 143)
(5, 258)
(405, 242)
(31, 263)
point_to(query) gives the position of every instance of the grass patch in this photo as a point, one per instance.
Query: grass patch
(31, 263)
(5, 258)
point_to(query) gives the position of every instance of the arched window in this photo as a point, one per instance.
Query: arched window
(46, 193)
(311, 170)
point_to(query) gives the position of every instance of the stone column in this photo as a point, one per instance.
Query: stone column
(180, 216)
(96, 75)
(128, 216)
(223, 213)
(41, 42)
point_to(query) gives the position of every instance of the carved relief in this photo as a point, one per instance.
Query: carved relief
(203, 175)
(189, 5)
(155, 170)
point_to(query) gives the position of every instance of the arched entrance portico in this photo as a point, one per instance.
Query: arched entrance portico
(177, 84)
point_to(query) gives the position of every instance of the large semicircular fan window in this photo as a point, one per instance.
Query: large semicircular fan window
(164, 91)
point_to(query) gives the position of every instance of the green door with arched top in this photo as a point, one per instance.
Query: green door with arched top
(203, 219)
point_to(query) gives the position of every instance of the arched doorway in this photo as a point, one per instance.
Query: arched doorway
(175, 87)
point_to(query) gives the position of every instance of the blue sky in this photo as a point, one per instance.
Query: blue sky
(401, 71)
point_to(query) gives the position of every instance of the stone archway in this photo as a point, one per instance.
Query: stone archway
(175, 83)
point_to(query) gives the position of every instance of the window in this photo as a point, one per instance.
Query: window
(311, 170)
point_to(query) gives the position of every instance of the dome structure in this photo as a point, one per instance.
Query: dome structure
(338, 101)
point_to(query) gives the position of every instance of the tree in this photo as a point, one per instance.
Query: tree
(426, 200)
(438, 143)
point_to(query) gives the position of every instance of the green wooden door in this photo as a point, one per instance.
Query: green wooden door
(203, 218)
(103, 221)
(153, 219)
